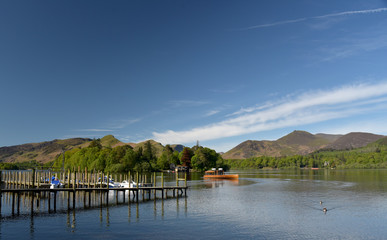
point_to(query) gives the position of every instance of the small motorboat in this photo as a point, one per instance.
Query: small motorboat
(113, 184)
(219, 174)
(131, 184)
(55, 183)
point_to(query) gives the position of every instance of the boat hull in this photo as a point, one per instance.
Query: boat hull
(230, 176)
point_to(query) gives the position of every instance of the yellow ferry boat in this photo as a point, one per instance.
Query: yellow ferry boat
(219, 174)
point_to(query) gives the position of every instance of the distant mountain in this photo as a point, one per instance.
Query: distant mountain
(41, 152)
(111, 141)
(177, 147)
(300, 143)
(297, 142)
(353, 140)
(156, 147)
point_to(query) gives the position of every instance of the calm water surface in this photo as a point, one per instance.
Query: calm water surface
(261, 205)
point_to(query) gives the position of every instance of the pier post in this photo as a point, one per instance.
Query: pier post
(107, 181)
(33, 178)
(13, 203)
(154, 184)
(1, 195)
(74, 177)
(18, 203)
(68, 178)
(88, 179)
(55, 201)
(49, 202)
(185, 185)
(137, 188)
(162, 185)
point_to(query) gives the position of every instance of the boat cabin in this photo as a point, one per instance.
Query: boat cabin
(214, 172)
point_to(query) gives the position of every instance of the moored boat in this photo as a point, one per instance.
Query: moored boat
(55, 183)
(131, 184)
(219, 174)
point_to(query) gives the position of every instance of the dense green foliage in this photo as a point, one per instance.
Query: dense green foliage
(143, 159)
(372, 156)
(23, 165)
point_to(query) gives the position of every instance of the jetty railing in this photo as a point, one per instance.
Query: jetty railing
(36, 184)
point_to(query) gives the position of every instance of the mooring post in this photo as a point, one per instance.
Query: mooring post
(107, 181)
(88, 179)
(68, 178)
(137, 181)
(18, 203)
(49, 202)
(55, 201)
(38, 179)
(185, 185)
(13, 203)
(162, 185)
(154, 185)
(137, 192)
(74, 177)
(33, 178)
(1, 194)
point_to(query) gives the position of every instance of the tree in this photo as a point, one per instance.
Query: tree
(186, 156)
(204, 159)
(95, 143)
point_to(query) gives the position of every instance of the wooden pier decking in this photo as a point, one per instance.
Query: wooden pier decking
(35, 185)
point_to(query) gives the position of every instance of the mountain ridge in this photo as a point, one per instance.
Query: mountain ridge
(300, 143)
(295, 143)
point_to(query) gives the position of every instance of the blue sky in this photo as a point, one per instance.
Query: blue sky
(220, 72)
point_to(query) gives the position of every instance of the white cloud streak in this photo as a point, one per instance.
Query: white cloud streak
(312, 107)
(212, 112)
(346, 13)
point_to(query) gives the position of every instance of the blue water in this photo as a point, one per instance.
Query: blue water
(261, 205)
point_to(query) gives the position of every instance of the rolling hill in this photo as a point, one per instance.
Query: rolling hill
(297, 142)
(300, 143)
(41, 152)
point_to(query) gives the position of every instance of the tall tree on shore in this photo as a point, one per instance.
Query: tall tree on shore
(186, 156)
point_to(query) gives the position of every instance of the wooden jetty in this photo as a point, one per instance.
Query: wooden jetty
(36, 185)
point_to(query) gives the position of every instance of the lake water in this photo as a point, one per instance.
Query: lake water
(260, 205)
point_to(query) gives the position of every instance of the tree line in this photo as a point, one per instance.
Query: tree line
(368, 157)
(142, 159)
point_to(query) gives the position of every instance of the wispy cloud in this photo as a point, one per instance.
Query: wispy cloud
(312, 107)
(121, 123)
(346, 13)
(212, 112)
(354, 46)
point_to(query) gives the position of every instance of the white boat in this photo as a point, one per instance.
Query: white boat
(55, 183)
(131, 184)
(113, 184)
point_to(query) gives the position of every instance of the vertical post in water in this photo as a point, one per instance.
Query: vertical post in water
(137, 188)
(1, 195)
(162, 185)
(154, 185)
(107, 181)
(33, 178)
(185, 179)
(55, 201)
(137, 180)
(68, 178)
(74, 177)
